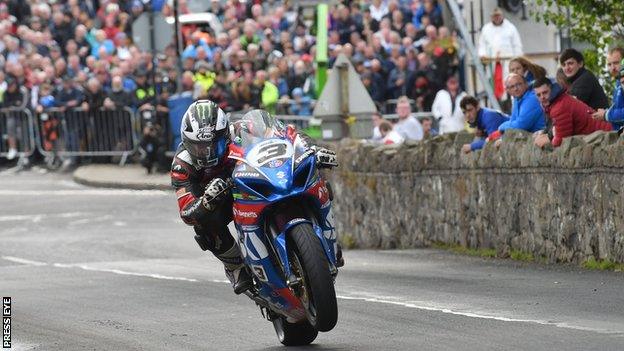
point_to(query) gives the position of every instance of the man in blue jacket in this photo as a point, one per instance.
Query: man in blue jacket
(485, 120)
(615, 113)
(526, 111)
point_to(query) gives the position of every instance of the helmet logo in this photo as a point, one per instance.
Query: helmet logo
(205, 133)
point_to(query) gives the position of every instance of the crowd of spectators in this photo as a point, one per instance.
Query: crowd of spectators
(79, 54)
(71, 54)
(565, 103)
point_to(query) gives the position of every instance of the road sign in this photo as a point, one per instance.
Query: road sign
(163, 32)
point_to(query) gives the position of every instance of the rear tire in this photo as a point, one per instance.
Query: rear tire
(290, 334)
(309, 263)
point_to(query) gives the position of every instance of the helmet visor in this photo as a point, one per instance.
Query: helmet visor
(207, 153)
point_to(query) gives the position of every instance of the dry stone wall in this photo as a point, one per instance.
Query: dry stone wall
(563, 205)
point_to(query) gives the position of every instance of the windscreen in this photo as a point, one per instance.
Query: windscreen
(254, 128)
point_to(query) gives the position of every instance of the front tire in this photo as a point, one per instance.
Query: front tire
(290, 334)
(316, 291)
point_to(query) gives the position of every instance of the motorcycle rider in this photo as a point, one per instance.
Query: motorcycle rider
(199, 171)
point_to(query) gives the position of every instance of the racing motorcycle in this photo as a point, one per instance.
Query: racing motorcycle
(281, 213)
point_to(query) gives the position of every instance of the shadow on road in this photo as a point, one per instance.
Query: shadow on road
(315, 347)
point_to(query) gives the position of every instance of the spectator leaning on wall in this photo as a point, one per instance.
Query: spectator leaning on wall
(389, 135)
(486, 121)
(615, 113)
(526, 112)
(407, 126)
(583, 83)
(569, 116)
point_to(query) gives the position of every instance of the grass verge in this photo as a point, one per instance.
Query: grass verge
(603, 265)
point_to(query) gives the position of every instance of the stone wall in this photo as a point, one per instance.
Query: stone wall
(565, 205)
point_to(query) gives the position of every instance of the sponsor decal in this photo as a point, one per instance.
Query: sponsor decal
(205, 133)
(260, 273)
(303, 156)
(244, 214)
(280, 174)
(249, 228)
(275, 163)
(246, 175)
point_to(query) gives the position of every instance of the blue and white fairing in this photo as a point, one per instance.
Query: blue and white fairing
(275, 165)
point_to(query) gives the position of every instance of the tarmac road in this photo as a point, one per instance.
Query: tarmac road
(100, 269)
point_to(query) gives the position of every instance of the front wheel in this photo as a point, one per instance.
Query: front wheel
(290, 334)
(316, 288)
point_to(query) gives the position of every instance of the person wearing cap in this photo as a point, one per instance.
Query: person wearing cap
(499, 39)
(144, 93)
(615, 113)
(204, 77)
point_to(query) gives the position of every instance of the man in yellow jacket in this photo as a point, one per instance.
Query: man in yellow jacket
(204, 77)
(269, 94)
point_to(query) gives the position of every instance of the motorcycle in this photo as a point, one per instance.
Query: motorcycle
(281, 213)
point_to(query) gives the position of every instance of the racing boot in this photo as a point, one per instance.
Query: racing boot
(235, 270)
(240, 278)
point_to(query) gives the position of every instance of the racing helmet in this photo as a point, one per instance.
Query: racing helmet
(205, 133)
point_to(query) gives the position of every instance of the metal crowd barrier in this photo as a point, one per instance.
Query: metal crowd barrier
(76, 132)
(17, 124)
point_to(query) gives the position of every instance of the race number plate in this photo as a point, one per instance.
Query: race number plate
(268, 152)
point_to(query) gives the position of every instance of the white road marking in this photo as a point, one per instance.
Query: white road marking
(106, 270)
(90, 220)
(391, 300)
(117, 271)
(24, 261)
(85, 192)
(39, 217)
(420, 306)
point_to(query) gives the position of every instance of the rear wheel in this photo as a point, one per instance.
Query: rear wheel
(316, 288)
(290, 334)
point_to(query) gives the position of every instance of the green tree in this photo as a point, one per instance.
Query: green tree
(597, 22)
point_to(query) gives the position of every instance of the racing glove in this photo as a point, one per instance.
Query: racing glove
(325, 158)
(215, 192)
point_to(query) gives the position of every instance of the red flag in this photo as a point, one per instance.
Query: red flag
(499, 86)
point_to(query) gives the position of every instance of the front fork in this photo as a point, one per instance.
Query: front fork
(325, 232)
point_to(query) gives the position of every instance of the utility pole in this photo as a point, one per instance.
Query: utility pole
(176, 29)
